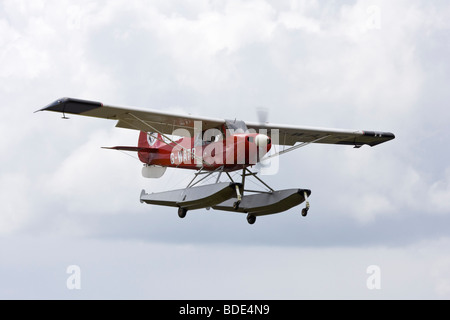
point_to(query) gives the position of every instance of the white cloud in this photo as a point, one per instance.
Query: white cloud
(439, 193)
(17, 202)
(371, 205)
(203, 48)
(376, 72)
(95, 180)
(310, 62)
(297, 21)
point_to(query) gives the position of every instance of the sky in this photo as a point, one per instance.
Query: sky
(72, 226)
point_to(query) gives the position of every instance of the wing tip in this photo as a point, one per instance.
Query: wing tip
(379, 134)
(71, 105)
(380, 137)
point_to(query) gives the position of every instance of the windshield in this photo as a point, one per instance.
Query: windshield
(237, 125)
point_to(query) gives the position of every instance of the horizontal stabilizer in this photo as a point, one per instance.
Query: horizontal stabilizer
(135, 149)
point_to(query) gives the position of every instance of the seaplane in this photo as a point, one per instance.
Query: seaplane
(215, 149)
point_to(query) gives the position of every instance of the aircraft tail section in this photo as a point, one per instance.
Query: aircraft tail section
(150, 140)
(149, 143)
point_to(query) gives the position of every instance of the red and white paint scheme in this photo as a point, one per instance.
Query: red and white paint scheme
(215, 146)
(231, 153)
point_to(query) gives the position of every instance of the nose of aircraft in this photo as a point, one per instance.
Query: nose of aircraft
(263, 141)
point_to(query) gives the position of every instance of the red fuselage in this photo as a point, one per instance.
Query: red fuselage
(234, 152)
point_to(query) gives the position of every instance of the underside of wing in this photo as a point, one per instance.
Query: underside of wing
(290, 135)
(167, 123)
(136, 119)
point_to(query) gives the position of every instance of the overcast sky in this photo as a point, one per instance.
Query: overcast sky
(366, 65)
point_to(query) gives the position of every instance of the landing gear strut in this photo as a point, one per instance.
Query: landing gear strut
(239, 199)
(306, 208)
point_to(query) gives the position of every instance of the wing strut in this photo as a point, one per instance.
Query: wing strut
(296, 147)
(253, 174)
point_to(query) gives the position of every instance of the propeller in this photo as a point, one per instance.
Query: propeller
(263, 116)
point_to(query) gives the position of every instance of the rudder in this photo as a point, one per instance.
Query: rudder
(150, 140)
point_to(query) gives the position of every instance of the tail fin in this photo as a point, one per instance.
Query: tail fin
(149, 143)
(150, 140)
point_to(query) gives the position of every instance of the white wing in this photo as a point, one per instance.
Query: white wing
(290, 135)
(166, 123)
(130, 118)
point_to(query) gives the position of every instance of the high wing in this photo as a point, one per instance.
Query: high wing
(136, 119)
(166, 123)
(290, 135)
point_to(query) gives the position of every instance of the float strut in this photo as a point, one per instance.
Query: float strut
(238, 193)
(306, 209)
